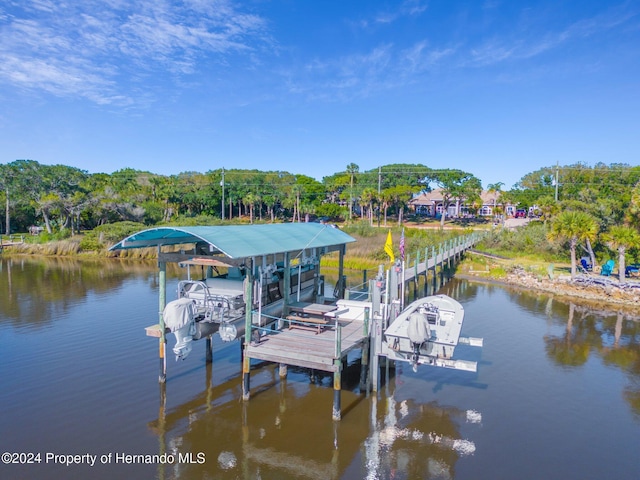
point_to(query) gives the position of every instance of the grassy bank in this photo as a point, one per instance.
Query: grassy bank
(366, 252)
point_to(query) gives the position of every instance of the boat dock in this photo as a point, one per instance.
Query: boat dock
(316, 334)
(11, 242)
(308, 348)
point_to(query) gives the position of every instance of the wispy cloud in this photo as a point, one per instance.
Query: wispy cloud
(524, 44)
(360, 75)
(93, 49)
(406, 8)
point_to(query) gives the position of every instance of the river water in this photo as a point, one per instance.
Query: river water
(556, 395)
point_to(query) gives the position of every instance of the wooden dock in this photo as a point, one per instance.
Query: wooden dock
(309, 349)
(446, 253)
(11, 242)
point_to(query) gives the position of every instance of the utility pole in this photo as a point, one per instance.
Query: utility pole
(379, 199)
(556, 181)
(222, 185)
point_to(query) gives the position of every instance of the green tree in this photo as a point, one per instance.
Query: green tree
(368, 197)
(621, 238)
(399, 196)
(455, 184)
(573, 226)
(7, 180)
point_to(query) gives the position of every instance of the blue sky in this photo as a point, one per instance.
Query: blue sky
(494, 87)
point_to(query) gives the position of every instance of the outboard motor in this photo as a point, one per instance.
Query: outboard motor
(418, 332)
(179, 318)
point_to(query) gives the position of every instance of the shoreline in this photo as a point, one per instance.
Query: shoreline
(610, 296)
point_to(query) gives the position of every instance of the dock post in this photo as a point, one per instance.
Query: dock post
(426, 271)
(209, 350)
(162, 280)
(374, 367)
(286, 284)
(434, 287)
(337, 374)
(282, 370)
(441, 265)
(364, 363)
(246, 361)
(341, 279)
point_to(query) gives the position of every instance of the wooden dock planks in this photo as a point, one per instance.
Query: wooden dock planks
(307, 349)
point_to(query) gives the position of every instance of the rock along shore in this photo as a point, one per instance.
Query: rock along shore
(604, 293)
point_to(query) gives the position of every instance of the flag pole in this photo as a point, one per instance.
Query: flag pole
(402, 289)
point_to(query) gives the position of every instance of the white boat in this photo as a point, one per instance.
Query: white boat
(427, 332)
(217, 304)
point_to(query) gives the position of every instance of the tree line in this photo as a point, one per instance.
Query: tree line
(60, 197)
(590, 208)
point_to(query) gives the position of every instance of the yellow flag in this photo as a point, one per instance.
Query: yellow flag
(388, 247)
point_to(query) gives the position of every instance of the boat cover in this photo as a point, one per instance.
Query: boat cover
(178, 313)
(418, 329)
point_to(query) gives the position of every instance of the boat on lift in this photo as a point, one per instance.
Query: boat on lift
(215, 303)
(427, 332)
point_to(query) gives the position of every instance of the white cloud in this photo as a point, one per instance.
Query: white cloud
(360, 75)
(91, 48)
(535, 41)
(406, 8)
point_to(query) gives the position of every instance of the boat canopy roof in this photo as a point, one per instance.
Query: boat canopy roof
(241, 241)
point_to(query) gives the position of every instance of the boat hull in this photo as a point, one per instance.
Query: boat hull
(445, 317)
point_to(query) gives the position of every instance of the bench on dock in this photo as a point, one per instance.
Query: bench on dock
(310, 316)
(316, 324)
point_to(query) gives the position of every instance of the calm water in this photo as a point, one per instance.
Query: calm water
(556, 396)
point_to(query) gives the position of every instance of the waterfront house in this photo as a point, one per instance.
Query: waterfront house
(431, 204)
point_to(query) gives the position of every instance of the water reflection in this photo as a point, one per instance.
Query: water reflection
(286, 431)
(37, 289)
(413, 440)
(591, 332)
(554, 379)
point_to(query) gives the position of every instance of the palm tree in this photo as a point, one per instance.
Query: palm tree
(621, 237)
(497, 203)
(352, 169)
(574, 227)
(250, 201)
(368, 197)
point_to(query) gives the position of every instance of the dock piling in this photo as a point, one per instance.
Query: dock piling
(246, 361)
(337, 375)
(209, 350)
(162, 280)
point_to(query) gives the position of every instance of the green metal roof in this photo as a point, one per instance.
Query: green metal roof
(241, 241)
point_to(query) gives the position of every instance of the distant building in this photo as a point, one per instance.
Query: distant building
(431, 204)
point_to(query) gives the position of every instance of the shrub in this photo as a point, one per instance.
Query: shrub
(103, 236)
(331, 210)
(530, 240)
(45, 237)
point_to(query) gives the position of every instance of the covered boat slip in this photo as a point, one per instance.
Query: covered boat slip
(275, 260)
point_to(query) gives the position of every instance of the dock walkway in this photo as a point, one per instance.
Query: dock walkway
(11, 242)
(309, 349)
